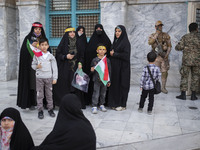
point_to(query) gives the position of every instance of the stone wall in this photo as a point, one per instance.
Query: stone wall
(140, 17)
(8, 38)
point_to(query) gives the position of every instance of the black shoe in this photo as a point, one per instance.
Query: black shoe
(193, 96)
(51, 113)
(40, 114)
(182, 96)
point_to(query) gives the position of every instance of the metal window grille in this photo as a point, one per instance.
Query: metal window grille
(63, 13)
(60, 5)
(198, 17)
(89, 22)
(53, 50)
(87, 4)
(58, 24)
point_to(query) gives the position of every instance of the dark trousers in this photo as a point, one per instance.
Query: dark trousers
(144, 96)
(99, 93)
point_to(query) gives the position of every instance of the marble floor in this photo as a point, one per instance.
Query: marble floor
(174, 123)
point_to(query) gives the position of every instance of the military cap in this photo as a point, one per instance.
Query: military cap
(158, 23)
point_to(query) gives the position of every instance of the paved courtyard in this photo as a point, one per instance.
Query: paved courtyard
(174, 124)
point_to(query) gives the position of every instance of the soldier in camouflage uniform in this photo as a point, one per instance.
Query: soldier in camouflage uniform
(162, 41)
(190, 45)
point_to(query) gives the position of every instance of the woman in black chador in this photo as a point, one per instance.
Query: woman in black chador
(68, 55)
(120, 66)
(80, 34)
(26, 97)
(19, 137)
(72, 130)
(98, 36)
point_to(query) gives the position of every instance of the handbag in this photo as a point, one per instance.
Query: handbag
(157, 85)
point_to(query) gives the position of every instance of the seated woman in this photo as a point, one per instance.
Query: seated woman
(13, 133)
(72, 130)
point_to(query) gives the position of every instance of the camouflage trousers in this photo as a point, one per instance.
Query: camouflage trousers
(162, 63)
(185, 70)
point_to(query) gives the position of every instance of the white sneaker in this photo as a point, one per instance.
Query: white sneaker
(118, 108)
(94, 110)
(102, 108)
(140, 110)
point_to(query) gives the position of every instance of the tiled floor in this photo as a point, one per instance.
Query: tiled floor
(172, 121)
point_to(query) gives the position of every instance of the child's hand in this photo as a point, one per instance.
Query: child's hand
(34, 44)
(54, 82)
(108, 84)
(79, 66)
(39, 66)
(111, 52)
(92, 69)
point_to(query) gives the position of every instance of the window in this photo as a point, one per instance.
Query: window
(63, 13)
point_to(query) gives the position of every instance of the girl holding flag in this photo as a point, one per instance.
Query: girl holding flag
(26, 96)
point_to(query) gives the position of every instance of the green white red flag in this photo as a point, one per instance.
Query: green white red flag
(33, 50)
(102, 69)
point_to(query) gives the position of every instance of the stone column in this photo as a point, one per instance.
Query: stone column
(30, 11)
(8, 38)
(113, 13)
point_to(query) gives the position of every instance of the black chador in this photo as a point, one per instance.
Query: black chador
(98, 36)
(72, 130)
(26, 96)
(66, 67)
(82, 44)
(120, 66)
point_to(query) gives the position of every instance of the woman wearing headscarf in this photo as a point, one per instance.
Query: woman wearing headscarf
(68, 55)
(72, 130)
(14, 135)
(80, 34)
(26, 97)
(98, 36)
(82, 45)
(120, 66)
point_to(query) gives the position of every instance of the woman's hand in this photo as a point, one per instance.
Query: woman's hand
(34, 44)
(69, 56)
(111, 52)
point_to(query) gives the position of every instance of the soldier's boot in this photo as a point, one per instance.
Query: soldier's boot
(164, 80)
(182, 96)
(193, 96)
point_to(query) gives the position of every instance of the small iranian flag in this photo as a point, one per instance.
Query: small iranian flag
(33, 50)
(102, 69)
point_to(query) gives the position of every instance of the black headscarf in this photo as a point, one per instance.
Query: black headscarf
(72, 130)
(26, 96)
(20, 138)
(92, 46)
(120, 43)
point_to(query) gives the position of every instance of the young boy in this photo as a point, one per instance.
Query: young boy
(46, 75)
(146, 84)
(99, 92)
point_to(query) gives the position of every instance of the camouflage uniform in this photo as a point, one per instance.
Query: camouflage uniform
(190, 45)
(162, 62)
